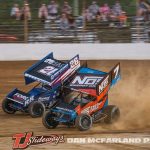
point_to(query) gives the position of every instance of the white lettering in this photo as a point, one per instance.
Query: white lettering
(87, 80)
(116, 71)
(91, 108)
(76, 140)
(108, 140)
(103, 84)
(74, 62)
(146, 140)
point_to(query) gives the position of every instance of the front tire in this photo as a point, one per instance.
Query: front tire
(6, 107)
(113, 114)
(36, 109)
(48, 120)
(83, 122)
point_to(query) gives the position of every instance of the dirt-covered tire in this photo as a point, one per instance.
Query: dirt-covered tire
(112, 114)
(6, 108)
(48, 120)
(83, 122)
(36, 109)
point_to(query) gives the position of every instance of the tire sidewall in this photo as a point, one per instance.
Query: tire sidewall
(32, 106)
(79, 120)
(113, 113)
(45, 122)
(110, 112)
(5, 105)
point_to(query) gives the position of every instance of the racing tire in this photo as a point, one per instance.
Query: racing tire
(112, 114)
(48, 120)
(6, 108)
(36, 109)
(83, 122)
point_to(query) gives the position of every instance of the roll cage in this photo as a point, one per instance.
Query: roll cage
(74, 97)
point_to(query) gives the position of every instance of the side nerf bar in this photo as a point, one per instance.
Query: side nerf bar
(110, 79)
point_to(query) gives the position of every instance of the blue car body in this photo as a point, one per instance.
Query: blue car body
(50, 74)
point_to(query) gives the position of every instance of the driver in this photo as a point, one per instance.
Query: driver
(69, 98)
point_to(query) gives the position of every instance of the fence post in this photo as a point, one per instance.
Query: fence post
(83, 9)
(76, 7)
(25, 24)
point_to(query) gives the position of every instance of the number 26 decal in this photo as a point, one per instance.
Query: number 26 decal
(74, 62)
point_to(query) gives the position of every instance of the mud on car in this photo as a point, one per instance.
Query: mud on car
(85, 100)
(49, 73)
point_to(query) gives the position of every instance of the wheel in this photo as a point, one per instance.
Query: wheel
(83, 122)
(112, 114)
(98, 116)
(36, 109)
(6, 107)
(48, 120)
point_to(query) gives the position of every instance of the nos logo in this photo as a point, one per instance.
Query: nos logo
(113, 76)
(86, 81)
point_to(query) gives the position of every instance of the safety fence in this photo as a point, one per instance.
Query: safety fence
(89, 32)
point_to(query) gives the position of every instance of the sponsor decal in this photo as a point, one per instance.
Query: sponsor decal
(37, 79)
(20, 97)
(113, 75)
(28, 101)
(90, 109)
(24, 140)
(104, 84)
(53, 62)
(85, 81)
(24, 98)
(48, 70)
(44, 98)
(64, 109)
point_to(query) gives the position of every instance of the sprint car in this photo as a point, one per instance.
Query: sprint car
(85, 100)
(49, 73)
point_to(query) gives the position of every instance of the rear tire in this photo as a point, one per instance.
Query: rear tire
(48, 120)
(83, 122)
(6, 107)
(36, 109)
(113, 114)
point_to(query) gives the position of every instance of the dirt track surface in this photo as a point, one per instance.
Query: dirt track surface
(131, 94)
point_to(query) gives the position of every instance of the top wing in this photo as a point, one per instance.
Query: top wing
(52, 71)
(94, 82)
(46, 70)
(86, 80)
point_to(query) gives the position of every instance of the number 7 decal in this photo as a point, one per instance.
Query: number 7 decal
(116, 71)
